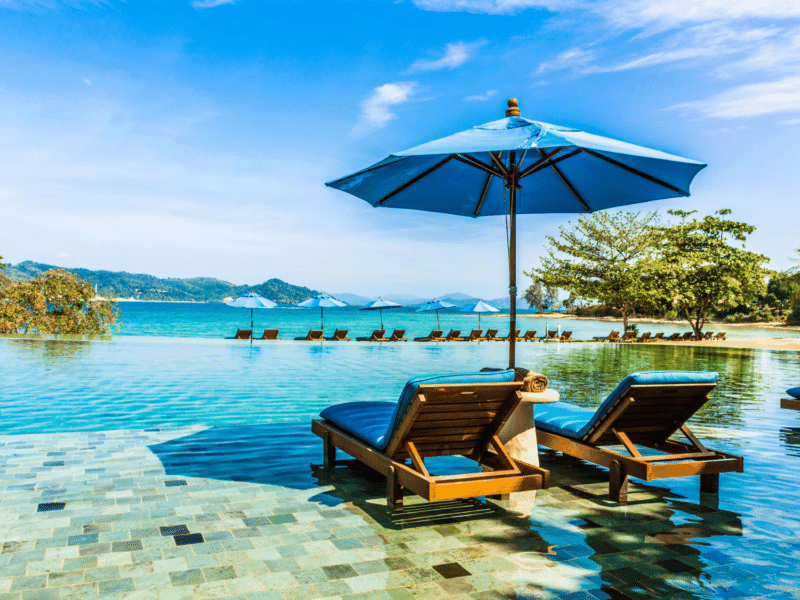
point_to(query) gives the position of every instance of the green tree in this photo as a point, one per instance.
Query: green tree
(605, 256)
(534, 295)
(700, 269)
(55, 302)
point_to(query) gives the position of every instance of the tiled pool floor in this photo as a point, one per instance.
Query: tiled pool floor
(169, 514)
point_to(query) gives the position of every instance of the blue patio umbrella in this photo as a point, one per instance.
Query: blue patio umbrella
(251, 301)
(379, 305)
(483, 171)
(480, 307)
(435, 305)
(323, 301)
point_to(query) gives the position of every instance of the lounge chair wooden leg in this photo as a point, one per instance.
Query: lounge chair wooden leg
(618, 482)
(709, 483)
(394, 491)
(329, 452)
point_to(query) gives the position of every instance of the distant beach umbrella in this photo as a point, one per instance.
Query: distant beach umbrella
(379, 305)
(251, 301)
(482, 171)
(323, 301)
(480, 307)
(435, 305)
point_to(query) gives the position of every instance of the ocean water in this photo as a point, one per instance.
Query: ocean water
(216, 321)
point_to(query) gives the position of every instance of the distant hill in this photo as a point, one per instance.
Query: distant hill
(147, 287)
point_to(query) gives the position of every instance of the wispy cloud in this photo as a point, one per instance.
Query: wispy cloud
(750, 100)
(375, 112)
(454, 55)
(495, 7)
(569, 59)
(481, 97)
(211, 3)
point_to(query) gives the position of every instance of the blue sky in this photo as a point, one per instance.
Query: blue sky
(193, 138)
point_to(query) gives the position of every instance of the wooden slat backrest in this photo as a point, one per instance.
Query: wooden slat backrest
(657, 412)
(454, 418)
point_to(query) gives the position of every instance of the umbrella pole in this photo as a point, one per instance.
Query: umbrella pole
(321, 319)
(437, 320)
(512, 263)
(380, 310)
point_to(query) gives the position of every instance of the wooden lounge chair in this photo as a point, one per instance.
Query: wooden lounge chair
(270, 334)
(314, 335)
(340, 335)
(629, 336)
(474, 336)
(567, 337)
(611, 337)
(505, 339)
(453, 336)
(673, 338)
(687, 337)
(644, 410)
(491, 335)
(792, 403)
(550, 336)
(530, 336)
(433, 336)
(398, 335)
(645, 337)
(450, 415)
(377, 336)
(720, 336)
(708, 335)
(657, 337)
(243, 334)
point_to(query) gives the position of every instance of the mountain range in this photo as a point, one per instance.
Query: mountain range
(208, 289)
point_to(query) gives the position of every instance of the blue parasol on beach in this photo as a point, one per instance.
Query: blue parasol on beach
(379, 305)
(251, 301)
(435, 305)
(480, 307)
(482, 171)
(323, 301)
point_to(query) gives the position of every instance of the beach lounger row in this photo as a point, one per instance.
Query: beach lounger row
(437, 335)
(463, 414)
(630, 336)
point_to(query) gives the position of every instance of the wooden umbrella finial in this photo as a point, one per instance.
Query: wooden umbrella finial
(513, 108)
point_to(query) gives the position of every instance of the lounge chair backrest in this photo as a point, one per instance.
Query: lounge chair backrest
(398, 334)
(378, 334)
(491, 333)
(529, 335)
(645, 336)
(436, 333)
(688, 335)
(629, 335)
(243, 334)
(476, 334)
(708, 335)
(659, 336)
(613, 335)
(270, 334)
(566, 335)
(720, 336)
(674, 396)
(315, 334)
(487, 406)
(551, 334)
(454, 334)
(340, 334)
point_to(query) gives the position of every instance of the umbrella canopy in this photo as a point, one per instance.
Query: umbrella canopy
(479, 307)
(251, 301)
(435, 305)
(516, 165)
(323, 301)
(379, 305)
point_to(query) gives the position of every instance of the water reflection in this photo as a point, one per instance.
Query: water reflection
(52, 350)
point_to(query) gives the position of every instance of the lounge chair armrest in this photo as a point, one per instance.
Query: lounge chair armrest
(545, 397)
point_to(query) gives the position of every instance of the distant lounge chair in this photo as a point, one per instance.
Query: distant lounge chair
(673, 338)
(453, 336)
(314, 335)
(458, 415)
(398, 335)
(474, 336)
(645, 338)
(243, 334)
(628, 337)
(687, 337)
(505, 339)
(433, 336)
(491, 335)
(270, 334)
(611, 337)
(708, 335)
(340, 335)
(658, 337)
(550, 335)
(793, 402)
(377, 336)
(719, 336)
(567, 337)
(530, 336)
(644, 410)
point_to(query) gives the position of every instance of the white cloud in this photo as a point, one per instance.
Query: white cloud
(211, 3)
(87, 81)
(574, 57)
(62, 255)
(749, 100)
(481, 97)
(375, 112)
(791, 122)
(454, 55)
(496, 7)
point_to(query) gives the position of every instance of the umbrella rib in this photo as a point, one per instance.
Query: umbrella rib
(547, 160)
(499, 164)
(473, 162)
(637, 172)
(367, 170)
(483, 195)
(570, 187)
(419, 177)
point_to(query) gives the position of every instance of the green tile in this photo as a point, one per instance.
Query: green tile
(190, 577)
(219, 573)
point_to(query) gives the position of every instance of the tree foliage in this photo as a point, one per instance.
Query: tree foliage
(604, 256)
(55, 302)
(701, 270)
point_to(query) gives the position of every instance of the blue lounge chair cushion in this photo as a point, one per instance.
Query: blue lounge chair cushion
(376, 422)
(569, 420)
(794, 392)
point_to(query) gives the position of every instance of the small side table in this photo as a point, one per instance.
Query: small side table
(519, 433)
